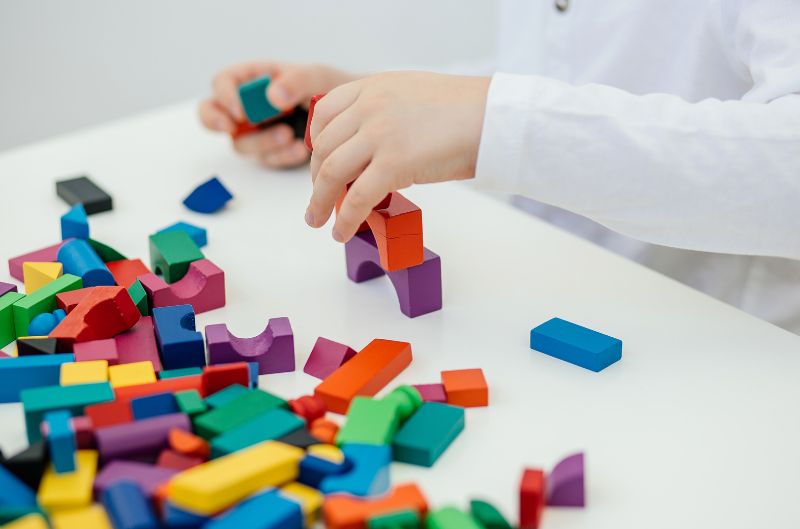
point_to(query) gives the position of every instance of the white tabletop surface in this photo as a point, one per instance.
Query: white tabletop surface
(696, 426)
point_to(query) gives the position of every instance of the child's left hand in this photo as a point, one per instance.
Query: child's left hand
(386, 132)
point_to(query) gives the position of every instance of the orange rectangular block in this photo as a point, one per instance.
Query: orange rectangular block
(126, 271)
(167, 385)
(466, 387)
(342, 511)
(109, 413)
(365, 374)
(399, 218)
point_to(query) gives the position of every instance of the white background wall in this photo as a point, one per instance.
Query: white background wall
(68, 64)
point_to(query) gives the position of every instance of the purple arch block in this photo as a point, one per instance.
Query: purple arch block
(565, 484)
(418, 288)
(273, 349)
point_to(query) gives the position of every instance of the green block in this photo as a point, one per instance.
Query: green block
(225, 395)
(38, 401)
(253, 95)
(369, 421)
(487, 515)
(190, 402)
(270, 425)
(405, 519)
(183, 372)
(139, 297)
(43, 300)
(7, 332)
(450, 518)
(243, 408)
(428, 433)
(171, 252)
(105, 252)
(407, 399)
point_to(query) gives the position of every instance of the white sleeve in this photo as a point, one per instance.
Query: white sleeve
(718, 176)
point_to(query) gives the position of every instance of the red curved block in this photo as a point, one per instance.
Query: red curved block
(104, 313)
(203, 287)
(273, 349)
(67, 301)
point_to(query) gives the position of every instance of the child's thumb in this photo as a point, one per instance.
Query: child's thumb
(290, 89)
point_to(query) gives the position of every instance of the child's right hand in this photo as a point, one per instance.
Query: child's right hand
(291, 85)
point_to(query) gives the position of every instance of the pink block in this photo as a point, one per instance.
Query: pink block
(45, 255)
(326, 357)
(97, 350)
(84, 432)
(139, 344)
(203, 287)
(432, 392)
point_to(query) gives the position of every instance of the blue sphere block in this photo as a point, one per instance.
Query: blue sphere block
(267, 510)
(128, 507)
(368, 474)
(42, 324)
(197, 234)
(257, 107)
(208, 197)
(178, 342)
(75, 223)
(80, 259)
(576, 344)
(59, 314)
(61, 440)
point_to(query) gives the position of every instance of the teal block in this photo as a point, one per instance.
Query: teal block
(225, 395)
(243, 408)
(183, 372)
(266, 427)
(171, 253)
(428, 433)
(38, 401)
(576, 344)
(257, 107)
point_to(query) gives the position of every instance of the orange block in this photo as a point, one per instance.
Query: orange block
(365, 374)
(109, 413)
(466, 387)
(324, 430)
(188, 444)
(126, 271)
(167, 385)
(67, 301)
(342, 511)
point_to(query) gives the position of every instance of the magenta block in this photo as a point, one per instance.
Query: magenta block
(203, 287)
(565, 483)
(84, 432)
(418, 288)
(139, 344)
(273, 349)
(326, 357)
(45, 255)
(5, 288)
(97, 350)
(148, 477)
(139, 439)
(432, 392)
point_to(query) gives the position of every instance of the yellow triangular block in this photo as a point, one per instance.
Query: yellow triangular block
(37, 275)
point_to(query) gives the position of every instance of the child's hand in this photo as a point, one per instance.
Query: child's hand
(389, 131)
(291, 85)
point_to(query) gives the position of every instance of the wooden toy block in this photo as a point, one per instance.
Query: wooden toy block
(68, 300)
(324, 430)
(81, 190)
(253, 95)
(15, 492)
(225, 395)
(301, 438)
(134, 374)
(365, 374)
(139, 296)
(208, 197)
(36, 345)
(153, 406)
(342, 511)
(216, 485)
(418, 288)
(27, 466)
(128, 507)
(188, 444)
(142, 438)
(432, 392)
(326, 357)
(450, 518)
(36, 275)
(466, 388)
(296, 119)
(148, 477)
(180, 344)
(311, 105)
(170, 385)
(327, 451)
(43, 300)
(84, 372)
(565, 483)
(273, 349)
(309, 499)
(71, 490)
(127, 271)
(203, 287)
(172, 459)
(97, 350)
(29, 521)
(197, 233)
(38, 401)
(83, 429)
(139, 344)
(220, 377)
(314, 469)
(405, 519)
(487, 515)
(183, 372)
(75, 223)
(60, 441)
(171, 253)
(104, 313)
(178, 518)
(531, 498)
(80, 259)
(369, 421)
(270, 509)
(244, 408)
(427, 434)
(109, 413)
(7, 328)
(406, 400)
(26, 372)
(190, 402)
(44, 323)
(268, 426)
(105, 252)
(576, 344)
(5, 288)
(48, 254)
(93, 516)
(368, 474)
(308, 407)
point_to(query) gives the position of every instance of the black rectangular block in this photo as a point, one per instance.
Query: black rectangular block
(81, 190)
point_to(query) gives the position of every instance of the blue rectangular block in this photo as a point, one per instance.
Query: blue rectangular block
(256, 106)
(427, 434)
(154, 405)
(128, 507)
(179, 343)
(576, 344)
(176, 518)
(197, 233)
(267, 510)
(13, 492)
(254, 372)
(61, 440)
(25, 372)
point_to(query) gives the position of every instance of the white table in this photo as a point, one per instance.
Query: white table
(696, 426)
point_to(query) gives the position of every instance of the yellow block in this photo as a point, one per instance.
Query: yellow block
(70, 490)
(309, 498)
(131, 374)
(216, 485)
(326, 451)
(29, 521)
(37, 275)
(84, 372)
(91, 517)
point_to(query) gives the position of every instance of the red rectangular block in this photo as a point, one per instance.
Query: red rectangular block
(531, 498)
(221, 376)
(109, 413)
(126, 271)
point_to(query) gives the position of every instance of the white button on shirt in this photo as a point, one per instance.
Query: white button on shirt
(665, 130)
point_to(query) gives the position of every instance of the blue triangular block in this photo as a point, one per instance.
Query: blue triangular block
(75, 223)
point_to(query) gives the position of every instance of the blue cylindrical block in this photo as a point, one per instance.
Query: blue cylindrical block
(80, 259)
(128, 507)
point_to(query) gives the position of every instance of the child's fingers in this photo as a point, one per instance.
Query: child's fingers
(334, 103)
(292, 87)
(264, 141)
(290, 156)
(341, 128)
(215, 118)
(226, 84)
(369, 189)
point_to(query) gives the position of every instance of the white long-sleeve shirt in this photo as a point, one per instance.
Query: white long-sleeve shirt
(665, 130)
